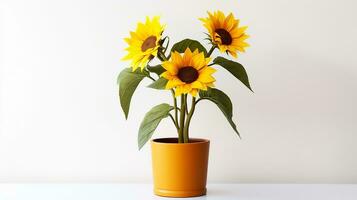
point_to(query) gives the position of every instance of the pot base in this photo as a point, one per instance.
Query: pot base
(177, 193)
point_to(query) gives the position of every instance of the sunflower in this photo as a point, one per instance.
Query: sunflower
(144, 42)
(188, 73)
(225, 32)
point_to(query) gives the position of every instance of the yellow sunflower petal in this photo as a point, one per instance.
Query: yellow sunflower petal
(188, 73)
(186, 59)
(207, 70)
(167, 75)
(197, 85)
(178, 91)
(186, 88)
(233, 53)
(206, 79)
(143, 43)
(225, 32)
(193, 92)
(199, 61)
(173, 83)
(205, 75)
(176, 58)
(210, 84)
(170, 66)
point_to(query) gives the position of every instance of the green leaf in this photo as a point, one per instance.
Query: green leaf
(157, 69)
(151, 121)
(236, 69)
(159, 84)
(222, 101)
(128, 81)
(188, 43)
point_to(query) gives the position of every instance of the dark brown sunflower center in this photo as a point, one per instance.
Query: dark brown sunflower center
(226, 38)
(188, 74)
(150, 42)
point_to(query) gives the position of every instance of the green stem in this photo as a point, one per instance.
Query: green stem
(211, 50)
(200, 99)
(175, 108)
(182, 118)
(151, 78)
(186, 110)
(162, 57)
(167, 44)
(173, 120)
(188, 120)
(159, 57)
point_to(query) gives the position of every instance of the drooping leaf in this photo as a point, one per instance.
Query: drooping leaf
(222, 101)
(188, 43)
(159, 84)
(128, 81)
(236, 69)
(157, 69)
(151, 121)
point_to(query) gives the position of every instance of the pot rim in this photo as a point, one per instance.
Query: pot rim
(196, 141)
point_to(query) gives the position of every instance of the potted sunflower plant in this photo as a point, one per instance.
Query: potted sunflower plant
(185, 70)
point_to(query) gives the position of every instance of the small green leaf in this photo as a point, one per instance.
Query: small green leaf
(222, 101)
(157, 69)
(188, 43)
(236, 69)
(151, 121)
(128, 81)
(159, 84)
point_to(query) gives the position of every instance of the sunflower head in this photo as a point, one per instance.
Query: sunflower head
(144, 42)
(225, 32)
(188, 73)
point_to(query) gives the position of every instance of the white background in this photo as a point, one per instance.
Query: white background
(61, 119)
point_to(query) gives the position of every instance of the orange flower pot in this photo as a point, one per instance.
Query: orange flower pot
(179, 169)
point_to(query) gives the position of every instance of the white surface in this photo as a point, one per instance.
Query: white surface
(61, 120)
(144, 191)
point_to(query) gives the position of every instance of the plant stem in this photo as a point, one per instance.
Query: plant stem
(162, 57)
(159, 57)
(175, 108)
(186, 110)
(211, 50)
(151, 78)
(167, 44)
(173, 120)
(182, 118)
(188, 120)
(200, 99)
